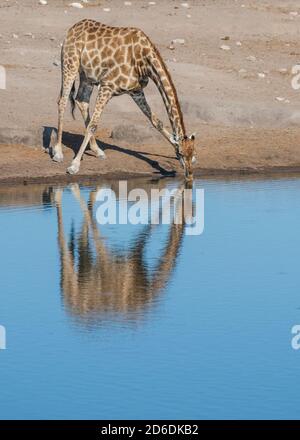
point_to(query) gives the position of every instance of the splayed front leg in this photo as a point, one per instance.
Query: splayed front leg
(140, 99)
(83, 103)
(103, 97)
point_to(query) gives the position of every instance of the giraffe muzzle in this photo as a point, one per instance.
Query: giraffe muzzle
(188, 172)
(188, 175)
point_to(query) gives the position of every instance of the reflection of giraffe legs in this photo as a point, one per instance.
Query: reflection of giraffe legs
(140, 99)
(83, 103)
(87, 210)
(165, 264)
(103, 97)
(103, 280)
(69, 279)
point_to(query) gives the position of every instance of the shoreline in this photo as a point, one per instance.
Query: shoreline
(220, 152)
(267, 173)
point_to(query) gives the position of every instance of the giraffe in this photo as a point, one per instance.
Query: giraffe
(110, 282)
(117, 60)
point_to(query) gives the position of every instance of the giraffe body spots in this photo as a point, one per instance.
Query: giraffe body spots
(128, 39)
(84, 59)
(96, 62)
(110, 63)
(125, 69)
(91, 45)
(91, 37)
(106, 52)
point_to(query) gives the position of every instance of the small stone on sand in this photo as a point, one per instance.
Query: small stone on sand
(225, 47)
(76, 5)
(178, 41)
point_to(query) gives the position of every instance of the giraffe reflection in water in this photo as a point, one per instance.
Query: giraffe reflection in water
(97, 281)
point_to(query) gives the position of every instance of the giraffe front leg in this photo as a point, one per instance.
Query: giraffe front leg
(84, 109)
(96, 149)
(103, 97)
(83, 103)
(140, 99)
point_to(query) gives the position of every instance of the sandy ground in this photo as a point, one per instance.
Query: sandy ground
(240, 101)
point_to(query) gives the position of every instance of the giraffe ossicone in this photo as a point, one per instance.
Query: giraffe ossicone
(117, 60)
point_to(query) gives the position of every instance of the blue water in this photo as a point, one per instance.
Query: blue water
(203, 334)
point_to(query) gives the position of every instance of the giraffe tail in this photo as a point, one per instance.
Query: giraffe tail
(72, 99)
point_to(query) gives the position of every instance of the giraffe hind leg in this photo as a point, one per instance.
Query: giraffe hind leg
(83, 103)
(67, 88)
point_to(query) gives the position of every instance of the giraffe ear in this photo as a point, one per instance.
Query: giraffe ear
(192, 137)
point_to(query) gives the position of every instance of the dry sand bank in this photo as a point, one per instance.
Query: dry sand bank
(229, 97)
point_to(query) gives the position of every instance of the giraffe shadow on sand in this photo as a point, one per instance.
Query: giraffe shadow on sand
(74, 140)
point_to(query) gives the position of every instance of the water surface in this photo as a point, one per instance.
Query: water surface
(132, 321)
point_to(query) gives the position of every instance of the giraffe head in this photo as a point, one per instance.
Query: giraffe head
(186, 155)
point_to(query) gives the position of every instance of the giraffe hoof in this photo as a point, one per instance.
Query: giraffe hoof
(58, 157)
(73, 169)
(101, 155)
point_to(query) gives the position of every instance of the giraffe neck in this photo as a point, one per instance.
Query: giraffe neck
(161, 77)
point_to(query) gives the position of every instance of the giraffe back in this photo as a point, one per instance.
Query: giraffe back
(116, 56)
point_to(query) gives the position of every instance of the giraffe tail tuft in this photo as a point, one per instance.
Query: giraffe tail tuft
(72, 99)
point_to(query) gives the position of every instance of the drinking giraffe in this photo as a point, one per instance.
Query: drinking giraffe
(117, 60)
